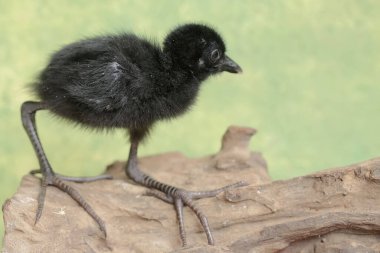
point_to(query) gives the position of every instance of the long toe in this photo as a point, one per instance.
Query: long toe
(213, 193)
(85, 179)
(74, 194)
(55, 180)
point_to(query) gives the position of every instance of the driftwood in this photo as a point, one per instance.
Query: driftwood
(336, 210)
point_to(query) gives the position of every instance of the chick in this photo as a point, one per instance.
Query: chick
(124, 81)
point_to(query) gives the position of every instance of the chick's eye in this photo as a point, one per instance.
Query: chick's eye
(215, 54)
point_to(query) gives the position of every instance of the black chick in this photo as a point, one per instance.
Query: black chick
(123, 81)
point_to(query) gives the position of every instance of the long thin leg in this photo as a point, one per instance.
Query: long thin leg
(171, 194)
(28, 113)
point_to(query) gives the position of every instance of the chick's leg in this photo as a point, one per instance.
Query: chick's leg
(28, 111)
(176, 196)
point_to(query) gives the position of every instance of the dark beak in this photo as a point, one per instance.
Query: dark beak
(227, 64)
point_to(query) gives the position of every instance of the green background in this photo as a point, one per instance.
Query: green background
(310, 83)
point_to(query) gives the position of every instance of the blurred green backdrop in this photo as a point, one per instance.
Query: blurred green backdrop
(310, 82)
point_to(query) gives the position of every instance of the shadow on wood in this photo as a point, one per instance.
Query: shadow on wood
(336, 210)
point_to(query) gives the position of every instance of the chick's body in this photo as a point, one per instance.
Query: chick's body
(123, 81)
(115, 81)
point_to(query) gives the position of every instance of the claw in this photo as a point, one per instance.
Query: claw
(180, 198)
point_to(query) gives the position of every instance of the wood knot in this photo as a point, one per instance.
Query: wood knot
(237, 137)
(375, 174)
(233, 196)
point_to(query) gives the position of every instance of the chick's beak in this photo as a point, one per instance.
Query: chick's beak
(227, 64)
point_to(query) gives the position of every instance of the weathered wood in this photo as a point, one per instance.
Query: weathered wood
(344, 200)
(336, 210)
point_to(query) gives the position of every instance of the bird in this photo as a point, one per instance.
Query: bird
(125, 81)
